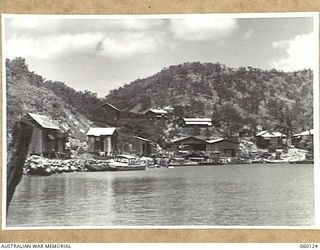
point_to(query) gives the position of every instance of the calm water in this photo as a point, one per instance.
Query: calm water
(235, 195)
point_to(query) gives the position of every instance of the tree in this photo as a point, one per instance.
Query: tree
(228, 119)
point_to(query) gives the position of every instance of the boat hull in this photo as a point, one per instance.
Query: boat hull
(127, 168)
(98, 167)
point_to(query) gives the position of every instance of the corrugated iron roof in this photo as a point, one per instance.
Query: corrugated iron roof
(278, 134)
(142, 139)
(215, 140)
(44, 121)
(100, 131)
(186, 137)
(199, 123)
(307, 132)
(197, 119)
(110, 105)
(221, 139)
(267, 134)
(158, 111)
(261, 133)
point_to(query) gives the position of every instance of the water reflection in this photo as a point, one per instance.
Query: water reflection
(261, 195)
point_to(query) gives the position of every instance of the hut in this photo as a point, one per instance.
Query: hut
(143, 146)
(113, 114)
(191, 143)
(102, 140)
(196, 122)
(306, 135)
(303, 139)
(195, 126)
(47, 139)
(156, 114)
(225, 147)
(266, 139)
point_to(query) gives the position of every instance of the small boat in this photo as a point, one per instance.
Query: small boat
(98, 165)
(148, 161)
(126, 163)
(181, 162)
(208, 163)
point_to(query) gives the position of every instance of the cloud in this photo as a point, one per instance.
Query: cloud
(300, 52)
(127, 45)
(47, 25)
(48, 38)
(113, 45)
(202, 28)
(136, 24)
(50, 47)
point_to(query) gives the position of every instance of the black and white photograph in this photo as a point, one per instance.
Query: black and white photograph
(160, 121)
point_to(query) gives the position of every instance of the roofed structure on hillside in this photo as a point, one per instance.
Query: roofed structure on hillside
(47, 138)
(308, 132)
(224, 147)
(267, 134)
(206, 122)
(113, 114)
(304, 140)
(111, 106)
(156, 113)
(189, 143)
(143, 146)
(220, 140)
(44, 121)
(102, 139)
(101, 131)
(266, 139)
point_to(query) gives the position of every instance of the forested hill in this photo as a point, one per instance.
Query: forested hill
(28, 92)
(243, 96)
(232, 97)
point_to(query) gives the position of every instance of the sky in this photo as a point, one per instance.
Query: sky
(103, 53)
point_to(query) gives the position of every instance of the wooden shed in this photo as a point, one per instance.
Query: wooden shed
(266, 139)
(47, 139)
(225, 147)
(143, 146)
(156, 114)
(189, 143)
(102, 140)
(113, 114)
(196, 122)
(303, 139)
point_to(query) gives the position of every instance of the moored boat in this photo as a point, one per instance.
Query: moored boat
(208, 162)
(181, 162)
(126, 163)
(97, 165)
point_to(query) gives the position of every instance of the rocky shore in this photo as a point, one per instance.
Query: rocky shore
(37, 165)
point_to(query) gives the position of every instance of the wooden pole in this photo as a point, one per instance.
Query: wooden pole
(17, 153)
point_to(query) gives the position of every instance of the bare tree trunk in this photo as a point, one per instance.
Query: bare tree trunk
(17, 150)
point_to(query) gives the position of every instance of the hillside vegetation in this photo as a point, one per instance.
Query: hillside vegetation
(28, 92)
(233, 98)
